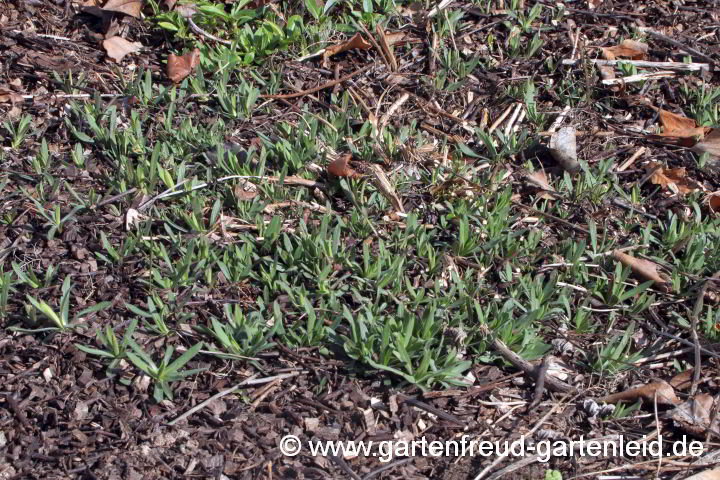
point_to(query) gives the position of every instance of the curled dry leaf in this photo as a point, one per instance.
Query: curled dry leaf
(662, 389)
(539, 179)
(128, 7)
(680, 126)
(631, 49)
(675, 179)
(357, 41)
(340, 167)
(694, 415)
(645, 269)
(180, 66)
(713, 202)
(118, 47)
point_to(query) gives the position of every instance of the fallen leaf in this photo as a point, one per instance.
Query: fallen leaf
(662, 389)
(340, 168)
(245, 190)
(180, 66)
(682, 380)
(631, 49)
(394, 37)
(118, 47)
(10, 96)
(714, 202)
(642, 268)
(128, 7)
(675, 179)
(710, 143)
(693, 415)
(357, 41)
(539, 179)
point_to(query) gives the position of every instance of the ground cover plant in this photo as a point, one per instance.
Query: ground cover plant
(225, 223)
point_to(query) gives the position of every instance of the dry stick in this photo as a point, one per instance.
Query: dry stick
(637, 78)
(373, 41)
(681, 340)
(386, 48)
(631, 160)
(697, 309)
(527, 367)
(324, 85)
(340, 462)
(514, 117)
(553, 217)
(500, 119)
(388, 466)
(171, 192)
(202, 32)
(657, 427)
(674, 42)
(692, 67)
(429, 408)
(248, 381)
(540, 373)
(500, 459)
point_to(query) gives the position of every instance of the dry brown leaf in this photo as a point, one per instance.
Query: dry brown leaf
(118, 47)
(682, 380)
(664, 391)
(394, 37)
(714, 202)
(539, 180)
(357, 41)
(675, 179)
(340, 168)
(128, 7)
(631, 49)
(245, 190)
(180, 66)
(713, 474)
(694, 415)
(645, 269)
(710, 143)
(10, 96)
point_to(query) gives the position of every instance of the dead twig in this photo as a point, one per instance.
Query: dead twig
(248, 381)
(329, 84)
(540, 373)
(693, 51)
(688, 67)
(553, 217)
(527, 367)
